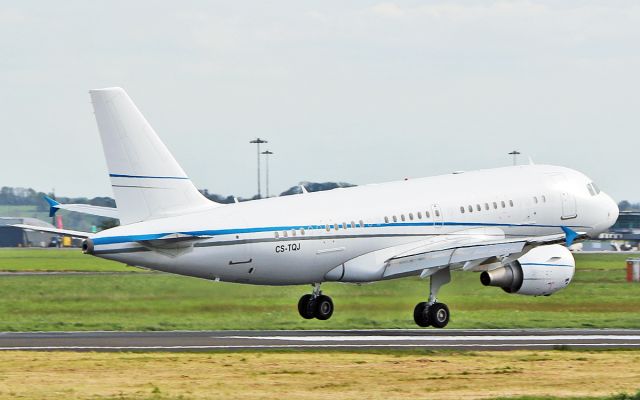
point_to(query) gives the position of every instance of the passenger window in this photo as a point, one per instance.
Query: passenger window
(293, 233)
(544, 198)
(461, 210)
(486, 206)
(335, 226)
(478, 207)
(511, 203)
(470, 208)
(502, 203)
(419, 214)
(437, 212)
(411, 216)
(427, 215)
(285, 234)
(361, 224)
(535, 199)
(386, 220)
(344, 225)
(495, 205)
(302, 231)
(395, 219)
(402, 217)
(327, 227)
(277, 235)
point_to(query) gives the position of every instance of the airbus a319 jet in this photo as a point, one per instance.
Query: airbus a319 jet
(511, 224)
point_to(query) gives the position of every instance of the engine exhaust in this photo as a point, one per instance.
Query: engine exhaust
(509, 277)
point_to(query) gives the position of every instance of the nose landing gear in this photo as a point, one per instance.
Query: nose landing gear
(315, 305)
(432, 313)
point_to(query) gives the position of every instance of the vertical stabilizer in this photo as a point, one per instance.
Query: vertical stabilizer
(147, 181)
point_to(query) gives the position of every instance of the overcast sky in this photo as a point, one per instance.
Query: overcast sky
(357, 91)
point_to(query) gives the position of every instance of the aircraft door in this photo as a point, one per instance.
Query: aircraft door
(568, 205)
(436, 212)
(569, 208)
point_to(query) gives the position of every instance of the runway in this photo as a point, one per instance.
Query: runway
(456, 339)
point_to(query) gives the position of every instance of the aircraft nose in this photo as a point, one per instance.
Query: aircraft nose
(607, 215)
(613, 211)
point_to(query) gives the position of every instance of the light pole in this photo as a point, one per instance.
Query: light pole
(258, 141)
(514, 153)
(266, 156)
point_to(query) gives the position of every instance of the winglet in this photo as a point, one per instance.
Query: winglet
(570, 235)
(53, 206)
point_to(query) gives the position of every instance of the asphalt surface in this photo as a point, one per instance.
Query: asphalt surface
(474, 339)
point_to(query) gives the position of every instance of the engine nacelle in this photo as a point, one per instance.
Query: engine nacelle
(542, 271)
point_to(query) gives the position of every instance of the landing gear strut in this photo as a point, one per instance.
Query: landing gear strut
(315, 305)
(432, 313)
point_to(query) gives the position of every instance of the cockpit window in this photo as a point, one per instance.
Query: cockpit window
(593, 188)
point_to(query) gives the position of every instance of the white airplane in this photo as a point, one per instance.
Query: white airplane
(511, 224)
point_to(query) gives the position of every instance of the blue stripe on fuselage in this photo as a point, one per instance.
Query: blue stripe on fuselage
(232, 231)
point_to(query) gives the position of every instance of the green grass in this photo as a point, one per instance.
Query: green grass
(604, 261)
(55, 260)
(599, 297)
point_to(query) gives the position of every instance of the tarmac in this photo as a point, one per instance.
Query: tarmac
(432, 339)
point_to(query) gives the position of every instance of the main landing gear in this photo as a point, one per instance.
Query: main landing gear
(432, 313)
(315, 305)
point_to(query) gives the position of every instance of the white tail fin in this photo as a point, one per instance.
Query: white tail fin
(147, 181)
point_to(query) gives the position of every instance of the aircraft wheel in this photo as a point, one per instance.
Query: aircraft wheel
(439, 315)
(306, 306)
(323, 307)
(421, 314)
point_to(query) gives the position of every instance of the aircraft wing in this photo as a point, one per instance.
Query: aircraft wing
(64, 232)
(54, 206)
(473, 249)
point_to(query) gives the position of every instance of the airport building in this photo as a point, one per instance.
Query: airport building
(16, 237)
(626, 229)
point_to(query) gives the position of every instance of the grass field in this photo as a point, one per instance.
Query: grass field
(599, 297)
(320, 375)
(35, 259)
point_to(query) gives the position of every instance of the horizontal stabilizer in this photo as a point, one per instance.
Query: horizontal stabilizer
(63, 232)
(173, 244)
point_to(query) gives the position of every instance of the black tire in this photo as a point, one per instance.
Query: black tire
(323, 307)
(421, 314)
(439, 315)
(306, 306)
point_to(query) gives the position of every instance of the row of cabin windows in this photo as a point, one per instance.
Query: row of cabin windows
(328, 228)
(503, 204)
(410, 216)
(543, 198)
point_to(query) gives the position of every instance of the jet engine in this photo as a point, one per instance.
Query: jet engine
(542, 271)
